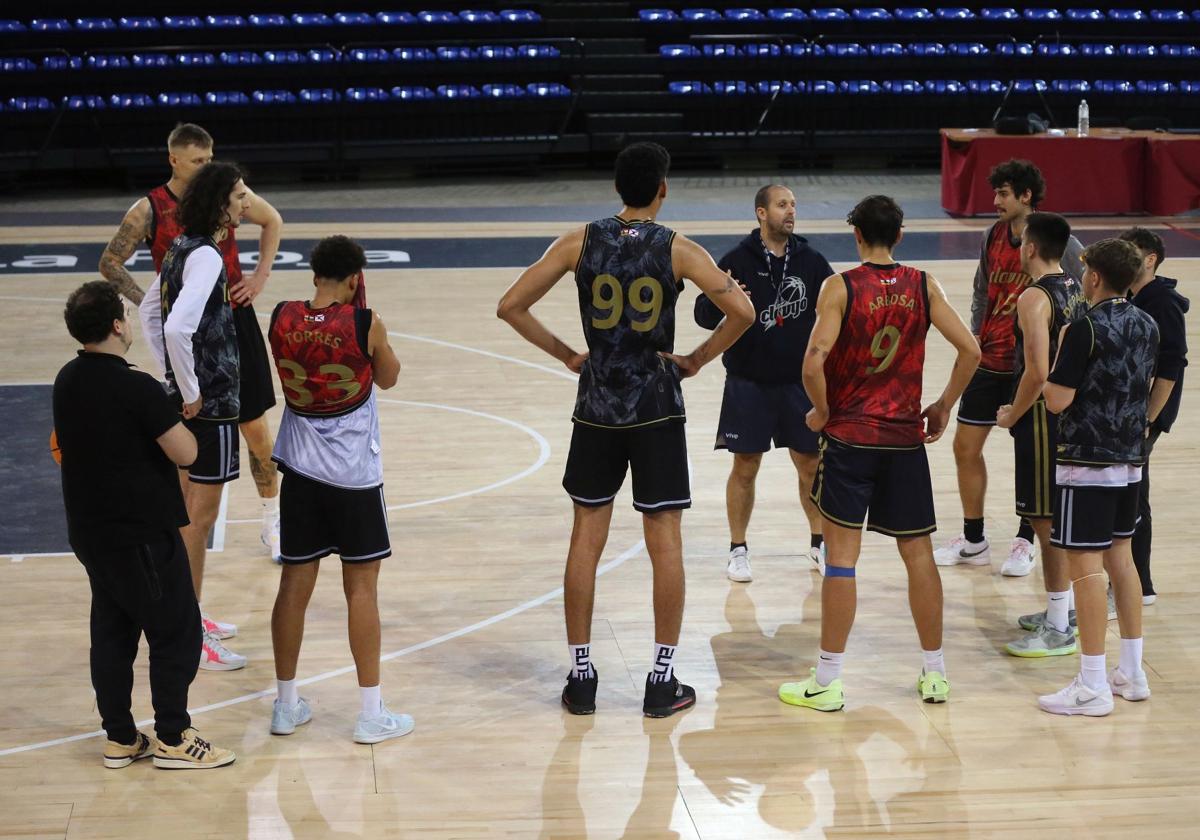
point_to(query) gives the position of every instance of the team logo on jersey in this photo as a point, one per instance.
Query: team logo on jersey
(630, 232)
(888, 281)
(318, 318)
(792, 300)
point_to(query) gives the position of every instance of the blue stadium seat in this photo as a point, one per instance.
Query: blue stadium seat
(311, 19)
(657, 15)
(225, 98)
(1114, 86)
(547, 90)
(455, 54)
(283, 57)
(744, 14)
(266, 20)
(225, 21)
(407, 92)
(903, 87)
(872, 14)
(679, 51)
(1029, 85)
(1070, 86)
(534, 51)
(829, 14)
(1189, 87)
(505, 91)
(30, 103)
(413, 54)
(519, 16)
(1097, 50)
(437, 17)
(11, 26)
(1127, 16)
(911, 14)
(1139, 51)
(1156, 86)
(367, 55)
(240, 58)
(88, 102)
(855, 87)
(986, 86)
(273, 97)
(886, 50)
(1057, 50)
(701, 15)
(196, 59)
(94, 24)
(367, 94)
(1085, 14)
(457, 92)
(945, 87)
(1042, 14)
(967, 49)
(720, 50)
(1020, 48)
(955, 13)
(1181, 50)
(796, 49)
(145, 61)
(785, 88)
(787, 14)
(131, 100)
(732, 88)
(63, 62)
(108, 61)
(354, 19)
(476, 16)
(840, 50)
(319, 95)
(16, 65)
(688, 88)
(48, 25)
(492, 53)
(182, 22)
(822, 87)
(396, 19)
(1169, 15)
(179, 100)
(761, 50)
(322, 56)
(926, 49)
(138, 23)
(999, 14)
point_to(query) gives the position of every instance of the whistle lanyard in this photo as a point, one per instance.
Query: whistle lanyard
(787, 254)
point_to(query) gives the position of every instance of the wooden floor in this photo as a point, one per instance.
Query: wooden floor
(475, 439)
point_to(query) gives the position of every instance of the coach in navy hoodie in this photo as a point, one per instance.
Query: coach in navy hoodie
(1158, 298)
(764, 398)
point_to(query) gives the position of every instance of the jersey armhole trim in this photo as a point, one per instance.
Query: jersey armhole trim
(849, 298)
(363, 319)
(925, 295)
(153, 232)
(275, 317)
(670, 247)
(587, 234)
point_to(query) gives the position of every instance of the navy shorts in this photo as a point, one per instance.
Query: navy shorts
(985, 393)
(1090, 518)
(656, 455)
(755, 414)
(1034, 444)
(887, 489)
(317, 519)
(218, 454)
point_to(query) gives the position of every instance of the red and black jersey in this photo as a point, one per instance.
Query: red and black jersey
(873, 373)
(1006, 281)
(164, 228)
(321, 356)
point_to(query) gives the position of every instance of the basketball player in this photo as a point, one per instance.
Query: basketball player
(152, 219)
(329, 355)
(764, 400)
(629, 410)
(1100, 388)
(115, 423)
(862, 372)
(186, 317)
(1052, 301)
(999, 281)
(1157, 297)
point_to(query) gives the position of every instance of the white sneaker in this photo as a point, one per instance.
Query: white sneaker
(270, 536)
(214, 656)
(381, 727)
(1078, 699)
(1137, 688)
(739, 565)
(1147, 600)
(1020, 560)
(219, 630)
(958, 550)
(285, 718)
(817, 556)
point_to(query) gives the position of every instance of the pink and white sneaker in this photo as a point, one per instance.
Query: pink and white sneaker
(960, 550)
(214, 656)
(219, 630)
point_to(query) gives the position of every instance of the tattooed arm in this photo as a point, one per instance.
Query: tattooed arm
(693, 262)
(135, 227)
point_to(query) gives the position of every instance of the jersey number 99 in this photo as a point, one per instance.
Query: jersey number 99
(614, 302)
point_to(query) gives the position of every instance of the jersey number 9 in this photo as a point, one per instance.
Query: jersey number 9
(883, 347)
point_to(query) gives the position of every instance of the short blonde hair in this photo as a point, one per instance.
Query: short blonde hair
(189, 134)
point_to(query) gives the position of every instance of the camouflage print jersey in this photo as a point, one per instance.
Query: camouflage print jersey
(627, 296)
(1067, 305)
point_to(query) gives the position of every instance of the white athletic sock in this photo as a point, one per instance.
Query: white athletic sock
(372, 700)
(288, 693)
(1092, 671)
(270, 508)
(1071, 600)
(1131, 657)
(1056, 609)
(829, 666)
(664, 663)
(934, 661)
(581, 661)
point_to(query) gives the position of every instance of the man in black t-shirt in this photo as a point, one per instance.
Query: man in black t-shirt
(1100, 388)
(120, 440)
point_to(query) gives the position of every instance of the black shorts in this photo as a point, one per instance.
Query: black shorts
(1035, 438)
(892, 484)
(318, 519)
(257, 385)
(754, 414)
(1090, 518)
(985, 393)
(656, 455)
(218, 458)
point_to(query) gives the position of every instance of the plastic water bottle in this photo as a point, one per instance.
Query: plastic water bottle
(1084, 118)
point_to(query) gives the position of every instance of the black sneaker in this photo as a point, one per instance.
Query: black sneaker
(665, 699)
(579, 695)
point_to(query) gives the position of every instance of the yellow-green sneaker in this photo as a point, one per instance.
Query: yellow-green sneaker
(812, 695)
(934, 687)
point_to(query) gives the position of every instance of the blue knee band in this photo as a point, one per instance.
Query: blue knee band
(839, 571)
